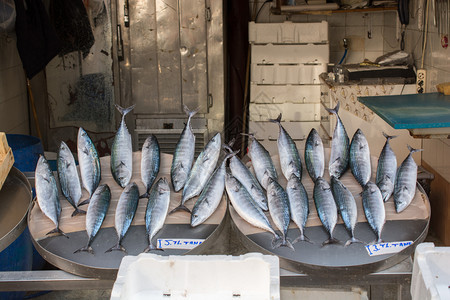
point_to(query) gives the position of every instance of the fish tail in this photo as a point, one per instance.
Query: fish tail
(281, 241)
(151, 247)
(389, 137)
(352, 241)
(277, 120)
(412, 150)
(190, 113)
(59, 231)
(145, 195)
(330, 241)
(302, 238)
(178, 208)
(229, 155)
(117, 247)
(85, 202)
(250, 135)
(124, 111)
(85, 249)
(333, 110)
(229, 145)
(78, 211)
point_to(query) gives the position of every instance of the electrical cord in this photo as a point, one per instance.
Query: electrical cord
(257, 14)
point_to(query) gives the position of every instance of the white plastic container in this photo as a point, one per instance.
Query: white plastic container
(431, 272)
(151, 276)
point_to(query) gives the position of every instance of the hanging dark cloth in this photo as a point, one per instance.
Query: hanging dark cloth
(37, 42)
(72, 25)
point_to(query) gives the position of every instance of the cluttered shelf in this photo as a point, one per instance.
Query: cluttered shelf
(307, 9)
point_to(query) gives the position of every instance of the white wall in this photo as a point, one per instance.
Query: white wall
(13, 91)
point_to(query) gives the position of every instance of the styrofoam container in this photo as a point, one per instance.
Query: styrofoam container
(431, 272)
(290, 54)
(151, 276)
(291, 111)
(288, 32)
(284, 93)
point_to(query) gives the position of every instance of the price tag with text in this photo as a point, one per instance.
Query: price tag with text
(179, 243)
(387, 248)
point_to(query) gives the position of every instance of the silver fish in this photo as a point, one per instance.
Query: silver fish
(122, 151)
(247, 208)
(405, 182)
(183, 155)
(212, 194)
(347, 207)
(246, 178)
(289, 157)
(201, 171)
(386, 169)
(314, 155)
(156, 212)
(150, 161)
(298, 205)
(262, 162)
(360, 158)
(89, 163)
(125, 211)
(68, 177)
(47, 193)
(374, 208)
(96, 213)
(339, 157)
(326, 207)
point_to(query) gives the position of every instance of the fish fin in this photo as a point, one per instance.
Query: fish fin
(124, 111)
(277, 120)
(250, 135)
(178, 208)
(85, 249)
(151, 247)
(331, 240)
(388, 137)
(87, 201)
(333, 110)
(302, 238)
(353, 240)
(190, 113)
(205, 157)
(117, 247)
(282, 242)
(229, 155)
(59, 231)
(78, 211)
(145, 195)
(412, 150)
(85, 151)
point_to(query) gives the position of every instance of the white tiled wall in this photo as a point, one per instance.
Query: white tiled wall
(13, 92)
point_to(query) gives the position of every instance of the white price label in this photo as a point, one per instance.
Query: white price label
(387, 248)
(179, 243)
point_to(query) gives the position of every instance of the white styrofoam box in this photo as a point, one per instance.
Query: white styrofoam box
(290, 54)
(287, 73)
(151, 276)
(284, 93)
(288, 32)
(298, 131)
(291, 111)
(309, 293)
(431, 272)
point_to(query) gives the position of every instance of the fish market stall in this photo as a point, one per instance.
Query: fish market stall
(177, 237)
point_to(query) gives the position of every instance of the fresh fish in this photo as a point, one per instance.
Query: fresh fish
(156, 212)
(347, 207)
(89, 163)
(96, 213)
(279, 211)
(289, 157)
(247, 208)
(122, 151)
(298, 205)
(262, 162)
(47, 193)
(150, 160)
(314, 155)
(387, 167)
(251, 184)
(374, 208)
(326, 207)
(201, 171)
(360, 158)
(405, 182)
(68, 178)
(183, 155)
(125, 211)
(211, 195)
(339, 157)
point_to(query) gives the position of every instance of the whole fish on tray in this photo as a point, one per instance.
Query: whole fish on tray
(150, 161)
(98, 207)
(405, 182)
(289, 157)
(201, 171)
(360, 158)
(261, 161)
(298, 205)
(183, 155)
(386, 169)
(212, 194)
(125, 211)
(314, 155)
(47, 193)
(68, 178)
(339, 157)
(89, 163)
(374, 208)
(156, 212)
(122, 151)
(326, 208)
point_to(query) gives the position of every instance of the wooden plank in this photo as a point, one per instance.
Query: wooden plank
(6, 158)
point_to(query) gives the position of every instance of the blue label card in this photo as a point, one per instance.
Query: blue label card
(387, 248)
(179, 243)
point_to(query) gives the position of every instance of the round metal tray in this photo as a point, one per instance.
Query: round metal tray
(15, 200)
